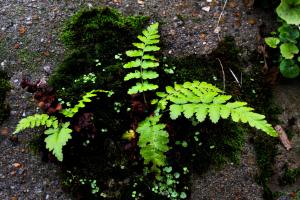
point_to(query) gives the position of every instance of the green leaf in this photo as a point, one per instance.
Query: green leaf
(272, 41)
(201, 112)
(139, 45)
(153, 141)
(289, 68)
(189, 110)
(151, 48)
(142, 87)
(214, 113)
(132, 64)
(57, 138)
(149, 75)
(185, 99)
(133, 75)
(70, 112)
(289, 10)
(149, 57)
(134, 53)
(288, 33)
(33, 121)
(288, 50)
(175, 111)
(149, 64)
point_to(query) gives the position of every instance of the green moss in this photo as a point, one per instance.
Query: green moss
(290, 176)
(98, 33)
(4, 88)
(101, 34)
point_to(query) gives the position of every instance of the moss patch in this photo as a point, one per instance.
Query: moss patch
(4, 88)
(102, 162)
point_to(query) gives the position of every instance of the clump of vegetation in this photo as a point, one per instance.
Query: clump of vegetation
(131, 146)
(288, 38)
(4, 88)
(289, 176)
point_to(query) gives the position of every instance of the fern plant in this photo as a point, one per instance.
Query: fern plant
(57, 133)
(191, 99)
(144, 64)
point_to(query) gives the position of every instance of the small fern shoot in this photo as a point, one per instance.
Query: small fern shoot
(200, 99)
(57, 133)
(153, 141)
(144, 64)
(70, 112)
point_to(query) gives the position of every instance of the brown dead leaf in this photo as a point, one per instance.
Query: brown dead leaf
(4, 131)
(22, 30)
(283, 137)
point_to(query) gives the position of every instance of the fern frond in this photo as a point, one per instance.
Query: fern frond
(57, 138)
(70, 112)
(142, 87)
(153, 141)
(144, 60)
(202, 99)
(36, 120)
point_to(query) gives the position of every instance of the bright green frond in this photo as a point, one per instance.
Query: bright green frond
(202, 99)
(145, 61)
(35, 121)
(153, 141)
(57, 138)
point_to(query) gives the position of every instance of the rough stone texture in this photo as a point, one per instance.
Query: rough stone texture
(288, 96)
(29, 45)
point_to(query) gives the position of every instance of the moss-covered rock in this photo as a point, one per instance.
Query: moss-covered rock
(115, 164)
(4, 88)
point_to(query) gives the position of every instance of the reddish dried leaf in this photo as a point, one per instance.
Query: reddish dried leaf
(283, 137)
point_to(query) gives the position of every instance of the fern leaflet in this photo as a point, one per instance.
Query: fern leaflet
(144, 61)
(57, 138)
(70, 112)
(153, 141)
(201, 99)
(36, 120)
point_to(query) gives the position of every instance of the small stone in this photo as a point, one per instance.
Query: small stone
(206, 8)
(16, 165)
(141, 3)
(252, 21)
(35, 17)
(17, 46)
(217, 29)
(202, 36)
(4, 131)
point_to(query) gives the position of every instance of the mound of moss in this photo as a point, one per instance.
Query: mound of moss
(4, 88)
(100, 161)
